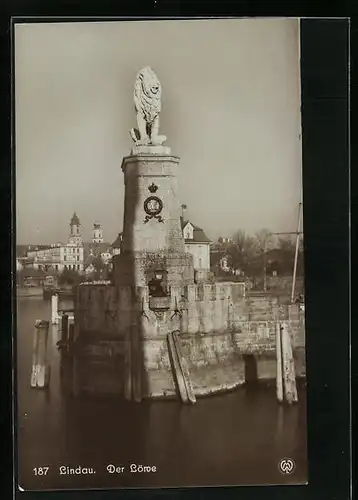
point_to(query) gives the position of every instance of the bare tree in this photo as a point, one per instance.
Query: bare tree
(242, 250)
(264, 239)
(286, 244)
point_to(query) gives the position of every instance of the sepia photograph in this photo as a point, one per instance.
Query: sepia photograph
(160, 299)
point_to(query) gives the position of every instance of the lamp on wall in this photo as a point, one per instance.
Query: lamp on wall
(158, 275)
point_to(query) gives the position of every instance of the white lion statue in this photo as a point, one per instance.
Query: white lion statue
(147, 101)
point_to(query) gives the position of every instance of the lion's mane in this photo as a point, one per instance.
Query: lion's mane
(146, 102)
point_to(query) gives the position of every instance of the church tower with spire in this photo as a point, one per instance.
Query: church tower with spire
(97, 236)
(75, 237)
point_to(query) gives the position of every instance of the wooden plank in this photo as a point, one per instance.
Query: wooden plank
(288, 363)
(279, 382)
(68, 363)
(40, 373)
(64, 330)
(71, 329)
(76, 365)
(184, 368)
(33, 379)
(178, 375)
(54, 309)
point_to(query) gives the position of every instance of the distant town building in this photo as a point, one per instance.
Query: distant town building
(117, 245)
(220, 261)
(224, 263)
(106, 256)
(196, 243)
(89, 267)
(22, 260)
(60, 256)
(75, 231)
(97, 253)
(225, 241)
(86, 257)
(116, 249)
(97, 234)
(97, 250)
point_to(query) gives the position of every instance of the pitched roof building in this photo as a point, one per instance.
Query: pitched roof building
(117, 244)
(196, 243)
(193, 234)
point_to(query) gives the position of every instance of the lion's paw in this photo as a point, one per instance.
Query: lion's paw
(158, 140)
(143, 142)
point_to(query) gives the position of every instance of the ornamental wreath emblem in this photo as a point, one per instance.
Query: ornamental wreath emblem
(152, 207)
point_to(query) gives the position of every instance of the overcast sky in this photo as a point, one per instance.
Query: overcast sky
(231, 112)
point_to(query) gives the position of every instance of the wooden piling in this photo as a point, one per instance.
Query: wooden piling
(70, 359)
(279, 381)
(288, 364)
(180, 369)
(184, 368)
(64, 330)
(54, 309)
(40, 375)
(67, 355)
(71, 330)
(178, 376)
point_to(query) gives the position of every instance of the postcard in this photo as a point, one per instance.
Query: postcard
(160, 323)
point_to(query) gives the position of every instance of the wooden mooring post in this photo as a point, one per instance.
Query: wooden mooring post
(54, 309)
(288, 366)
(64, 331)
(285, 376)
(71, 330)
(180, 369)
(184, 368)
(178, 376)
(40, 375)
(65, 345)
(279, 380)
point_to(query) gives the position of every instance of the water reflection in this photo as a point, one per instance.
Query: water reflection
(236, 438)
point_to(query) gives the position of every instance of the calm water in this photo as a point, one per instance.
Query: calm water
(235, 438)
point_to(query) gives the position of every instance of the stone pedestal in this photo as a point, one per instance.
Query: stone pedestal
(152, 233)
(135, 268)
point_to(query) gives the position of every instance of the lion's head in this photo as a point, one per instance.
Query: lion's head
(147, 93)
(149, 83)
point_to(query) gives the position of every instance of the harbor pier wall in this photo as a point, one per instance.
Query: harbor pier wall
(220, 330)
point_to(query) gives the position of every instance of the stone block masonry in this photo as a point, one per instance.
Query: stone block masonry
(130, 269)
(152, 233)
(151, 177)
(218, 327)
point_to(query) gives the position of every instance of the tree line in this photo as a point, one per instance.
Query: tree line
(250, 254)
(65, 276)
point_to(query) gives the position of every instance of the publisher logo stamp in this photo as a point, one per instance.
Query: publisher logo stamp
(286, 466)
